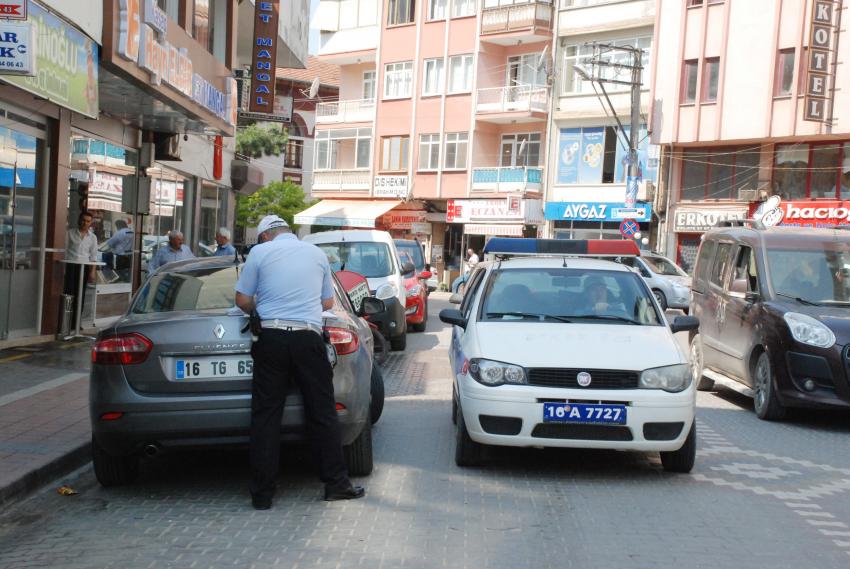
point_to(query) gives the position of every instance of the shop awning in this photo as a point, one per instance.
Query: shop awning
(507, 230)
(345, 213)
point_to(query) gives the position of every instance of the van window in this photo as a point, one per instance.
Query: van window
(369, 258)
(703, 268)
(745, 269)
(720, 263)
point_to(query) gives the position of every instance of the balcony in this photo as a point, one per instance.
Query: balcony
(516, 104)
(359, 110)
(507, 179)
(521, 22)
(350, 180)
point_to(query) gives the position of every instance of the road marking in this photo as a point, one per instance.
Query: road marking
(14, 358)
(816, 514)
(840, 543)
(798, 505)
(827, 524)
(834, 533)
(23, 393)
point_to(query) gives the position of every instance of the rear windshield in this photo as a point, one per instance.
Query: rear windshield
(413, 249)
(369, 258)
(203, 289)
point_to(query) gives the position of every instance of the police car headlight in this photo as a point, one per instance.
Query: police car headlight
(669, 378)
(386, 291)
(808, 330)
(492, 373)
(415, 290)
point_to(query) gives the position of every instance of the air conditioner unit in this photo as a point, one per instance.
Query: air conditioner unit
(747, 195)
(167, 146)
(245, 178)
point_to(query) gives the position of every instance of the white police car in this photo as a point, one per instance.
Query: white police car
(555, 346)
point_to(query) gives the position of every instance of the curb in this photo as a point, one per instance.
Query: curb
(33, 480)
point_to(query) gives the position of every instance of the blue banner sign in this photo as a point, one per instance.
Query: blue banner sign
(597, 211)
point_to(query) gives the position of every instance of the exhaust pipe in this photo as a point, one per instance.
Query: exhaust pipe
(151, 450)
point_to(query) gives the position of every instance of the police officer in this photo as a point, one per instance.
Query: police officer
(289, 284)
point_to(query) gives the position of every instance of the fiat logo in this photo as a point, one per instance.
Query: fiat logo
(583, 379)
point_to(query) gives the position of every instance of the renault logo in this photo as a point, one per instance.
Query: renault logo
(583, 379)
(219, 332)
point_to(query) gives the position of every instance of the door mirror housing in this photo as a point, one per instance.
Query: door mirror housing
(684, 324)
(425, 275)
(751, 297)
(453, 316)
(371, 306)
(407, 268)
(456, 298)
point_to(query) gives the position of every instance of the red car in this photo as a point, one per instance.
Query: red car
(416, 305)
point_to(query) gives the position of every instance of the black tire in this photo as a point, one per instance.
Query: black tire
(381, 348)
(467, 451)
(662, 300)
(398, 343)
(358, 455)
(765, 400)
(421, 326)
(682, 460)
(113, 470)
(703, 383)
(454, 407)
(376, 406)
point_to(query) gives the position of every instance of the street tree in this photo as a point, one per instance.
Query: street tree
(258, 140)
(281, 198)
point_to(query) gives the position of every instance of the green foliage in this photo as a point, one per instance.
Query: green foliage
(282, 198)
(257, 140)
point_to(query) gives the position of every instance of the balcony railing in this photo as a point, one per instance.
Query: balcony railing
(520, 16)
(341, 180)
(360, 110)
(507, 179)
(527, 98)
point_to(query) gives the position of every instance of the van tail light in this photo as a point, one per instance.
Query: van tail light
(123, 349)
(344, 341)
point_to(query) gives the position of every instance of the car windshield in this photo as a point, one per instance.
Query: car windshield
(369, 258)
(413, 249)
(819, 276)
(662, 266)
(202, 289)
(568, 295)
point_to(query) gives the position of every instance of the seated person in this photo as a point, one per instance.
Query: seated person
(599, 300)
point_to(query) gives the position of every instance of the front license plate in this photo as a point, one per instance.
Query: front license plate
(584, 413)
(213, 368)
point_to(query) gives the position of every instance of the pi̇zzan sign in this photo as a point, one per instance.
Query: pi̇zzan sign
(266, 15)
(822, 45)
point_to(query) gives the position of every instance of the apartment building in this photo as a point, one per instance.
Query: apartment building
(590, 119)
(751, 109)
(441, 123)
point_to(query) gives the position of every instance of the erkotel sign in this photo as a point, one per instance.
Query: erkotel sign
(264, 61)
(823, 42)
(688, 220)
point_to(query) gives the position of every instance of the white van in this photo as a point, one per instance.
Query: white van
(372, 254)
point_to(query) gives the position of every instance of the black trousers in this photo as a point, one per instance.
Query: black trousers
(282, 357)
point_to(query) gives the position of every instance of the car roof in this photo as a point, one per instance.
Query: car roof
(348, 235)
(560, 262)
(783, 236)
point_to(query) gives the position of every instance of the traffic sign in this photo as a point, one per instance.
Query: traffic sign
(628, 228)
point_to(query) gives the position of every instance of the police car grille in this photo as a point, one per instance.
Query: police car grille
(566, 377)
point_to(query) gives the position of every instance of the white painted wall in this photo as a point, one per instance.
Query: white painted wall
(85, 14)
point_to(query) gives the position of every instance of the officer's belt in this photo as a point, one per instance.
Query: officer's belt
(278, 324)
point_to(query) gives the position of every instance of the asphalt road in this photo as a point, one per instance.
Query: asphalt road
(771, 495)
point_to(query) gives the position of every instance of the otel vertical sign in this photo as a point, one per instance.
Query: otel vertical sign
(266, 14)
(820, 61)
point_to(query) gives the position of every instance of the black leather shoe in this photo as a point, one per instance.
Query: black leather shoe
(345, 493)
(261, 503)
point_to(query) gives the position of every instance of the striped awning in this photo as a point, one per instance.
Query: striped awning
(345, 213)
(502, 230)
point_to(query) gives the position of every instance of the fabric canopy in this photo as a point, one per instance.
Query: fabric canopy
(345, 213)
(495, 229)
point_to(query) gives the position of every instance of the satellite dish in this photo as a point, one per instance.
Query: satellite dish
(314, 88)
(541, 60)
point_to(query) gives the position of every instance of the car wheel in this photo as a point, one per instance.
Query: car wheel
(765, 400)
(454, 407)
(113, 470)
(381, 348)
(682, 460)
(703, 383)
(467, 451)
(358, 455)
(376, 407)
(398, 343)
(421, 326)
(662, 300)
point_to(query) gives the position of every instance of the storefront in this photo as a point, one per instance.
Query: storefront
(595, 220)
(691, 221)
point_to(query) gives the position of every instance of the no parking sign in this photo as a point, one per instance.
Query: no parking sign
(628, 228)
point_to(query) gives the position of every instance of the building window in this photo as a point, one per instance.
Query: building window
(357, 14)
(369, 85)
(802, 171)
(784, 72)
(343, 149)
(524, 70)
(462, 8)
(429, 151)
(689, 81)
(709, 81)
(437, 9)
(520, 150)
(203, 22)
(394, 153)
(719, 173)
(579, 55)
(434, 77)
(398, 80)
(400, 12)
(460, 74)
(692, 3)
(294, 153)
(457, 146)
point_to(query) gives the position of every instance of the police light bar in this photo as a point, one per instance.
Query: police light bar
(507, 246)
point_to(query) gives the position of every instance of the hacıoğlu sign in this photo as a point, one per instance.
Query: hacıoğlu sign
(820, 213)
(687, 220)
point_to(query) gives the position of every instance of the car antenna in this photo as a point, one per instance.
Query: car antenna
(565, 263)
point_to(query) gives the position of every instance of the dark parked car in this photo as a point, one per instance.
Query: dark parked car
(774, 312)
(176, 371)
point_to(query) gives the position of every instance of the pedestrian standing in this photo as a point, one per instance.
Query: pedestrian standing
(222, 239)
(121, 245)
(80, 246)
(174, 251)
(471, 260)
(288, 282)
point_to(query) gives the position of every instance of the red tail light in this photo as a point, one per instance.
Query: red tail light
(123, 349)
(343, 340)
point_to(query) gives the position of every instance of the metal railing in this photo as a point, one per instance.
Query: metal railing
(358, 110)
(516, 98)
(330, 180)
(500, 19)
(507, 179)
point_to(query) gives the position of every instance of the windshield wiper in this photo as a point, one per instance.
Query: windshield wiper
(528, 315)
(800, 300)
(609, 317)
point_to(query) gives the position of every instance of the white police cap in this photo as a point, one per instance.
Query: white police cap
(271, 222)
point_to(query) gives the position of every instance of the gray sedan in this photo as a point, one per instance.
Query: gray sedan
(175, 371)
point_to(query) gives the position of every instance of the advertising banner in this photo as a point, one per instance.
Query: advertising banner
(592, 155)
(569, 148)
(647, 159)
(596, 211)
(803, 213)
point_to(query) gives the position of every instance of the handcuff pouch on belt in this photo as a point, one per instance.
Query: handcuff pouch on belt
(254, 325)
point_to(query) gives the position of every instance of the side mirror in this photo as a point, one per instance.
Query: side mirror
(452, 316)
(407, 268)
(456, 298)
(684, 324)
(751, 297)
(738, 286)
(425, 275)
(370, 306)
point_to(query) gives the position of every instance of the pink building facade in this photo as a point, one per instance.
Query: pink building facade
(730, 110)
